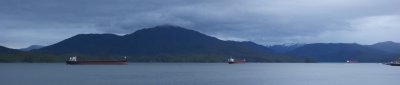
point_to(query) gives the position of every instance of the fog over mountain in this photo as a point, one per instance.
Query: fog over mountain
(32, 47)
(45, 22)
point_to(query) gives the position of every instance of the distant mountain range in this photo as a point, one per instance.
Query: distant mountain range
(13, 55)
(168, 43)
(284, 48)
(32, 47)
(165, 43)
(341, 52)
(5, 50)
(388, 46)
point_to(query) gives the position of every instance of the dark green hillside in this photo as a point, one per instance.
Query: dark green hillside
(11, 55)
(388, 46)
(341, 52)
(163, 44)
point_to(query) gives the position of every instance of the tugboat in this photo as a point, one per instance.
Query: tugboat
(394, 63)
(74, 61)
(232, 61)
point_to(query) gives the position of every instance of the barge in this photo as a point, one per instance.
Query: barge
(74, 61)
(232, 61)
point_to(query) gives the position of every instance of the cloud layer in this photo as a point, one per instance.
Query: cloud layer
(45, 22)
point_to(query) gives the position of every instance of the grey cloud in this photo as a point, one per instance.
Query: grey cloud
(261, 21)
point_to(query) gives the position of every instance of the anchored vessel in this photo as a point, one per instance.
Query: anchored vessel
(350, 61)
(232, 61)
(74, 61)
(394, 63)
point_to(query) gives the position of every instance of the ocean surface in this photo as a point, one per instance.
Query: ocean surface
(200, 74)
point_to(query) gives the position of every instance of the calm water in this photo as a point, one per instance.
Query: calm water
(200, 74)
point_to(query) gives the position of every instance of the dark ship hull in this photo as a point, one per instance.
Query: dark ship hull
(393, 64)
(237, 62)
(120, 62)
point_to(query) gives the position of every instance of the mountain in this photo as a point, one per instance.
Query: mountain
(13, 55)
(284, 48)
(5, 50)
(31, 48)
(388, 46)
(165, 43)
(341, 52)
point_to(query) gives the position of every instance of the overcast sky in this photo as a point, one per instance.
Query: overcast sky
(45, 22)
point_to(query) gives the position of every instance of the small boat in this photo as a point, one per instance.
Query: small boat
(232, 61)
(74, 61)
(394, 63)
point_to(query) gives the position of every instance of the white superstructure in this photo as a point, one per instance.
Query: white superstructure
(72, 58)
(231, 60)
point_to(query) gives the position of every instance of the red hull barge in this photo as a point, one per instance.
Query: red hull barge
(74, 61)
(236, 62)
